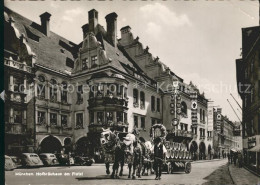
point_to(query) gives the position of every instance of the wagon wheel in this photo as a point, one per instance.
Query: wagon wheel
(187, 167)
(169, 167)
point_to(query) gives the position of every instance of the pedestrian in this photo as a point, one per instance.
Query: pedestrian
(239, 157)
(137, 160)
(219, 155)
(159, 157)
(235, 158)
(228, 155)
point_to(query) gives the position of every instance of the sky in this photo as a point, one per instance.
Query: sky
(198, 40)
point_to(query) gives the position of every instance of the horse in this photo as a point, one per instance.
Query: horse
(148, 164)
(111, 145)
(133, 155)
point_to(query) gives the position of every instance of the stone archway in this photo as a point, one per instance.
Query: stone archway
(83, 146)
(50, 144)
(202, 151)
(193, 150)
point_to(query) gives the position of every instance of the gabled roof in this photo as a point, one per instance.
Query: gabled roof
(53, 51)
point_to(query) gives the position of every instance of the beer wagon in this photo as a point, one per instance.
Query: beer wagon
(177, 156)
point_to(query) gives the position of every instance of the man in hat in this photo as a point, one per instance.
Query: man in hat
(159, 157)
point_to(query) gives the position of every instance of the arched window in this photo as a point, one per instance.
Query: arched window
(184, 108)
(64, 93)
(53, 90)
(153, 103)
(41, 87)
(135, 96)
(142, 100)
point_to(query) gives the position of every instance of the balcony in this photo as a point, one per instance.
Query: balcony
(15, 128)
(18, 97)
(103, 101)
(202, 137)
(97, 127)
(17, 65)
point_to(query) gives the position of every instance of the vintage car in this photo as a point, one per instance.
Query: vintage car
(30, 160)
(83, 161)
(17, 161)
(63, 159)
(9, 164)
(48, 159)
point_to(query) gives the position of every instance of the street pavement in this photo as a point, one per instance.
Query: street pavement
(241, 176)
(206, 173)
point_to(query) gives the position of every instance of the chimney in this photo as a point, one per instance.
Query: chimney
(93, 21)
(112, 27)
(85, 29)
(126, 35)
(45, 23)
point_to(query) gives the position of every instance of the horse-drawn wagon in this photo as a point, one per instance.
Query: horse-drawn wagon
(178, 158)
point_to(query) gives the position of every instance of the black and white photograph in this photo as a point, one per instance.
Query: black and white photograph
(131, 92)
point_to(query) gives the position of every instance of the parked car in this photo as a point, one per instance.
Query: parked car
(83, 161)
(64, 160)
(30, 160)
(9, 164)
(17, 161)
(49, 159)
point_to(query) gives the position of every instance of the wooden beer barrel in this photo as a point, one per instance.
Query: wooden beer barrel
(184, 155)
(176, 154)
(171, 144)
(168, 154)
(187, 154)
(172, 154)
(175, 146)
(180, 154)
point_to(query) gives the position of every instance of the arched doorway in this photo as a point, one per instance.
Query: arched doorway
(83, 146)
(50, 144)
(202, 151)
(193, 150)
(209, 152)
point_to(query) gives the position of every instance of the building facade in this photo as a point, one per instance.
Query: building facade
(248, 84)
(72, 91)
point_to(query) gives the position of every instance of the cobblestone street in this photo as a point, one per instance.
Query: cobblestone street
(215, 172)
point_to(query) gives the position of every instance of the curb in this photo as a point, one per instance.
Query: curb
(230, 175)
(203, 161)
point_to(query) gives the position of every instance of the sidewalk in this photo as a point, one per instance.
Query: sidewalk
(242, 176)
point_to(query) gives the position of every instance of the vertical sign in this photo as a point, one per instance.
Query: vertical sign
(219, 110)
(194, 107)
(210, 116)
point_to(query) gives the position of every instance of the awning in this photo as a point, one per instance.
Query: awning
(234, 149)
(255, 149)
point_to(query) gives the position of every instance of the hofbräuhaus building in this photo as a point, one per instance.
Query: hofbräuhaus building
(71, 91)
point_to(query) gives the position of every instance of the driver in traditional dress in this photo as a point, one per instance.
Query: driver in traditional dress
(159, 157)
